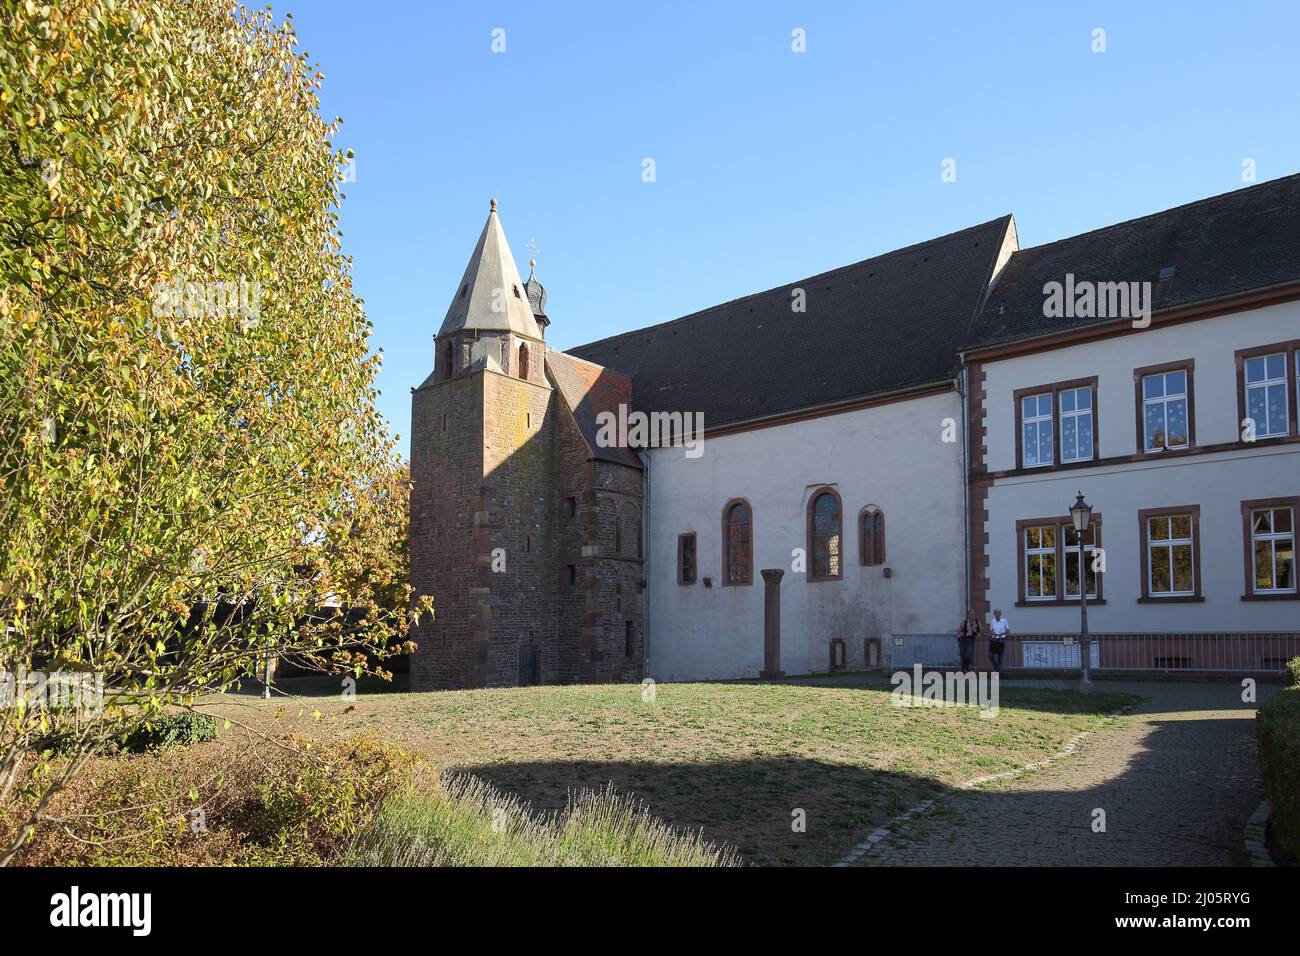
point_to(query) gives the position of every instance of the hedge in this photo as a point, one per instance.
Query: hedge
(1277, 727)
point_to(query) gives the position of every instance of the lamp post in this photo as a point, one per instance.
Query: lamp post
(1081, 514)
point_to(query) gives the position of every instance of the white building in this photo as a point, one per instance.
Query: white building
(833, 452)
(1181, 433)
(902, 439)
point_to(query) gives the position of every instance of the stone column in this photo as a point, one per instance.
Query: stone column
(771, 624)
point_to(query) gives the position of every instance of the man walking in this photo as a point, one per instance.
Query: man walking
(999, 628)
(967, 631)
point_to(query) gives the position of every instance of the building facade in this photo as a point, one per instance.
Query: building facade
(527, 533)
(1178, 426)
(901, 437)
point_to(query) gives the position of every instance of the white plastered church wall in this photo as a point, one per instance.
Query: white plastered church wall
(892, 456)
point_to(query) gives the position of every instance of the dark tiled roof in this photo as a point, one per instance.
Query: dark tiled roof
(1239, 242)
(588, 390)
(877, 326)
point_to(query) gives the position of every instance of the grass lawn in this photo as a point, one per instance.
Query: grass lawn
(733, 760)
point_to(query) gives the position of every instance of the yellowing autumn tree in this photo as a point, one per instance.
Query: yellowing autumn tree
(191, 462)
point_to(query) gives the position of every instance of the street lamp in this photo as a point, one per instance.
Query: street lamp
(1081, 514)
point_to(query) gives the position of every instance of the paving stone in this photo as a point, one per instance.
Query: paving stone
(1178, 782)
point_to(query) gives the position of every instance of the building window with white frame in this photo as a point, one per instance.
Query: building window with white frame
(1071, 553)
(1076, 424)
(1170, 556)
(1272, 549)
(1036, 430)
(1040, 563)
(1266, 394)
(1164, 411)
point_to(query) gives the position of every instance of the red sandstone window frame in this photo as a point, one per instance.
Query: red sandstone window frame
(871, 536)
(1060, 523)
(1290, 352)
(1055, 389)
(1139, 407)
(1248, 551)
(523, 360)
(1145, 557)
(732, 539)
(686, 570)
(838, 573)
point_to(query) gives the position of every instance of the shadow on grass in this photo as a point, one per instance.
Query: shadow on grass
(751, 805)
(1182, 800)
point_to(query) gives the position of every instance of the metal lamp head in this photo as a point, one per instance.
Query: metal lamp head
(1081, 513)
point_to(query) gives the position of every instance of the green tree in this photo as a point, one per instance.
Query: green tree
(191, 461)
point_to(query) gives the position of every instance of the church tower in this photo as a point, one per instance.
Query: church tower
(483, 502)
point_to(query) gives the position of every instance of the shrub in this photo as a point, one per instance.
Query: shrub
(462, 821)
(353, 802)
(1277, 726)
(1293, 668)
(292, 803)
(185, 729)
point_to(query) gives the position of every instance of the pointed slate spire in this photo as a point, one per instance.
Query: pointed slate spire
(491, 296)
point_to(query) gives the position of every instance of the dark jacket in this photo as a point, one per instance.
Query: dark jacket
(974, 632)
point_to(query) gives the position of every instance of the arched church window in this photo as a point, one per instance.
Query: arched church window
(523, 361)
(825, 538)
(737, 543)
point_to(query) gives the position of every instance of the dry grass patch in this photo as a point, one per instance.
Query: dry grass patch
(730, 760)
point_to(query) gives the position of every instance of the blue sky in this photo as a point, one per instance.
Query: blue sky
(770, 165)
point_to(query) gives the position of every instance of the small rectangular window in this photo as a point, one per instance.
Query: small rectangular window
(1076, 424)
(571, 507)
(1050, 561)
(629, 640)
(1266, 394)
(1071, 554)
(573, 574)
(1171, 555)
(1164, 411)
(1036, 429)
(1272, 550)
(686, 558)
(1040, 563)
(1056, 424)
